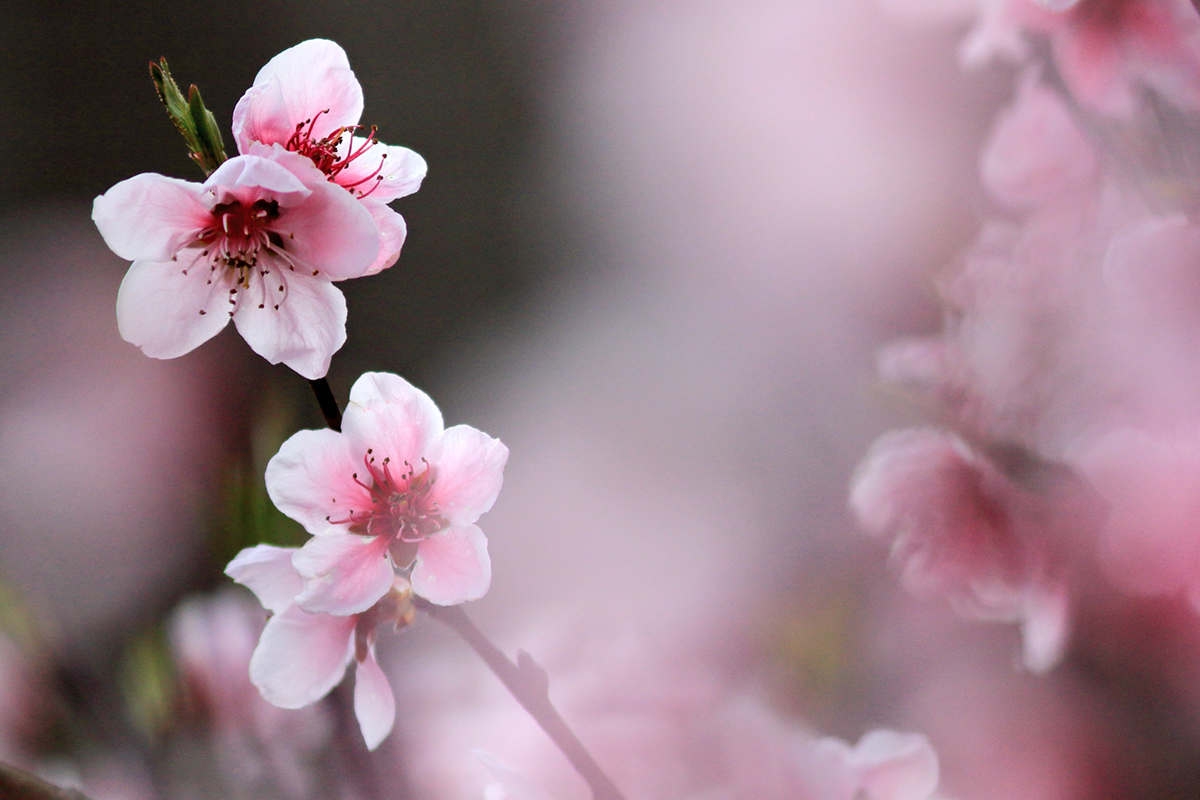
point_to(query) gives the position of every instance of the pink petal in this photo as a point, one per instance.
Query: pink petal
(297, 85)
(452, 566)
(470, 472)
(332, 232)
(150, 217)
(343, 573)
(268, 572)
(392, 232)
(402, 171)
(301, 656)
(895, 766)
(311, 479)
(374, 704)
(391, 416)
(304, 332)
(168, 313)
(249, 178)
(1036, 152)
(1045, 627)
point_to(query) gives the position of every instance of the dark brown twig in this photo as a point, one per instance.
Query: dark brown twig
(328, 403)
(17, 784)
(528, 683)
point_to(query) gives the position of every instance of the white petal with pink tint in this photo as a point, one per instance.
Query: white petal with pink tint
(392, 233)
(268, 572)
(452, 566)
(300, 84)
(311, 479)
(301, 656)
(374, 705)
(333, 235)
(262, 173)
(343, 573)
(150, 217)
(167, 312)
(401, 170)
(303, 332)
(895, 766)
(470, 473)
(392, 417)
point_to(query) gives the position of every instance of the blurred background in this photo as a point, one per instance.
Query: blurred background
(658, 246)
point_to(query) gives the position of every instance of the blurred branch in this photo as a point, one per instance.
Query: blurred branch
(529, 684)
(16, 784)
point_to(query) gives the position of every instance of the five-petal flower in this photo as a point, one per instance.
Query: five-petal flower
(392, 489)
(307, 100)
(259, 242)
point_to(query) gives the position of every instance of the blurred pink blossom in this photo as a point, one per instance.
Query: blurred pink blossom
(212, 640)
(959, 528)
(390, 490)
(308, 100)
(259, 242)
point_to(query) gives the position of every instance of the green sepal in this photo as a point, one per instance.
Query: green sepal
(195, 122)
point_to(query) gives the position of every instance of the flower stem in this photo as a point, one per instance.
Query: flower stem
(525, 679)
(528, 683)
(328, 403)
(16, 784)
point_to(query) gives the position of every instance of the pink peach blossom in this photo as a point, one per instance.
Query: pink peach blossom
(392, 489)
(302, 656)
(962, 529)
(259, 242)
(307, 100)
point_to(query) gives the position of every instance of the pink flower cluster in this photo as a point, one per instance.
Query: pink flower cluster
(1066, 372)
(263, 239)
(391, 500)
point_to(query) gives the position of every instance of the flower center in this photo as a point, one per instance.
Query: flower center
(324, 153)
(239, 233)
(399, 506)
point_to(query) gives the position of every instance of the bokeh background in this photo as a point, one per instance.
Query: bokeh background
(658, 246)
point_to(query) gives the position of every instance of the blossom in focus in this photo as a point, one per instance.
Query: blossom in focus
(960, 528)
(259, 242)
(307, 100)
(302, 656)
(391, 490)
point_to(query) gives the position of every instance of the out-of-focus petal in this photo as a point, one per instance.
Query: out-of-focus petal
(149, 217)
(470, 472)
(393, 418)
(343, 573)
(168, 308)
(1045, 627)
(267, 571)
(304, 332)
(1036, 152)
(374, 705)
(301, 656)
(311, 479)
(311, 82)
(452, 566)
(895, 766)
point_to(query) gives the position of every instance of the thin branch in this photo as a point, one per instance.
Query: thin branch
(16, 784)
(528, 683)
(328, 403)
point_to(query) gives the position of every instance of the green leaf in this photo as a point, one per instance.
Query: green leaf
(195, 122)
